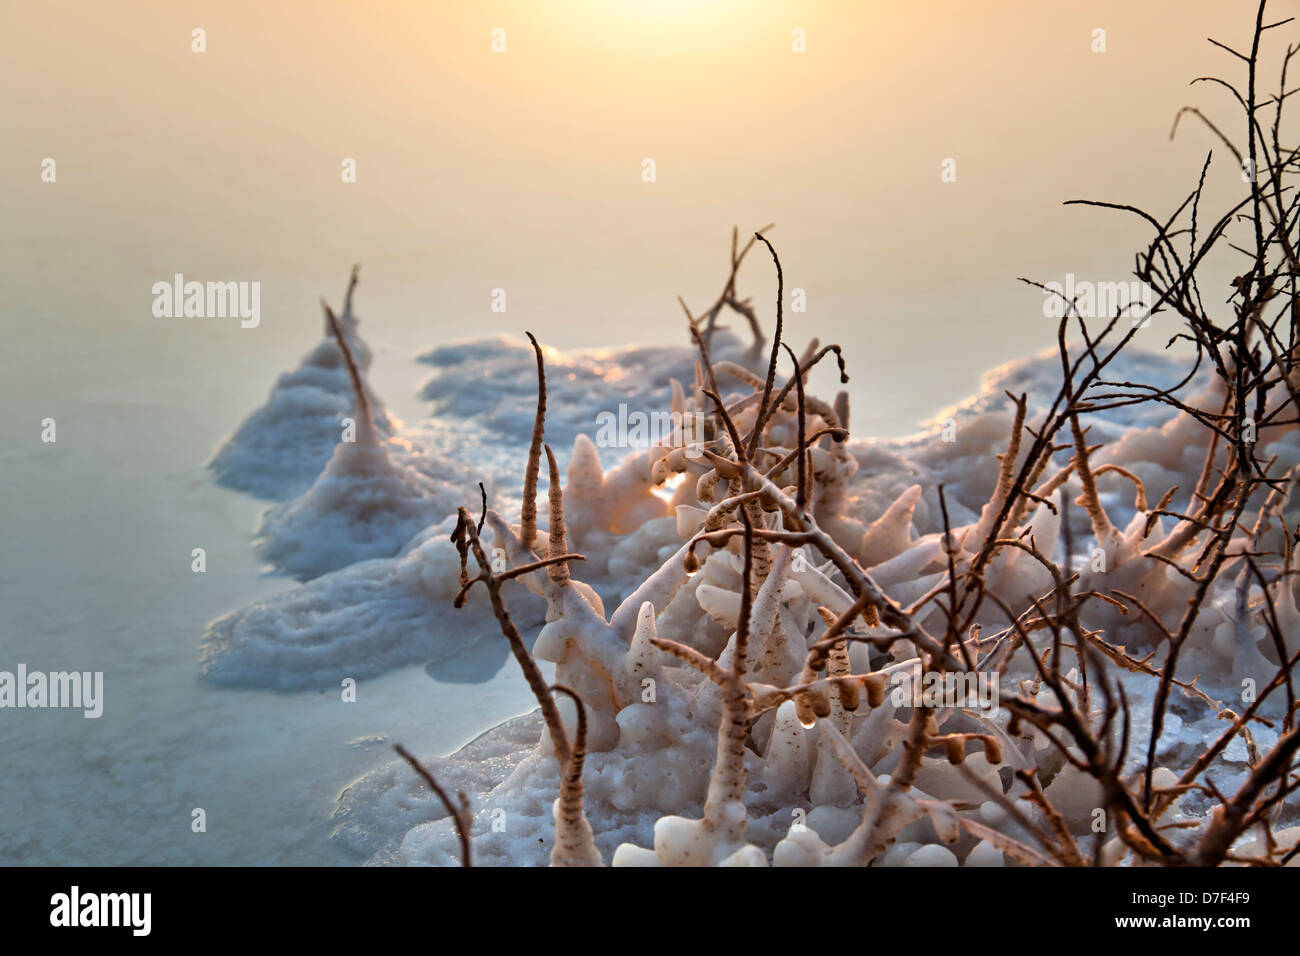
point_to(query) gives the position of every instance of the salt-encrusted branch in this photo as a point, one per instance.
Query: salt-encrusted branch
(466, 540)
(366, 434)
(1091, 501)
(700, 662)
(528, 509)
(801, 459)
(1005, 489)
(729, 290)
(819, 653)
(763, 409)
(574, 843)
(1140, 501)
(347, 296)
(724, 805)
(1229, 821)
(460, 811)
(558, 571)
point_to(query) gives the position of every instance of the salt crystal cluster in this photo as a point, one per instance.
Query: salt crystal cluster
(729, 651)
(278, 451)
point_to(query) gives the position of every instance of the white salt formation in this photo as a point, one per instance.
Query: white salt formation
(365, 504)
(358, 622)
(483, 393)
(280, 449)
(774, 645)
(750, 701)
(363, 619)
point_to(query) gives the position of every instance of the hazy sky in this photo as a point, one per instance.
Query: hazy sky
(522, 169)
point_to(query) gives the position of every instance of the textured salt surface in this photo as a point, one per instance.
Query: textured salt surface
(280, 449)
(367, 503)
(370, 618)
(365, 618)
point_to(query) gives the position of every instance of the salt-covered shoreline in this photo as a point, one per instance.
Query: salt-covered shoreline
(367, 617)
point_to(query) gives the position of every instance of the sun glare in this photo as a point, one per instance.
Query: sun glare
(679, 25)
